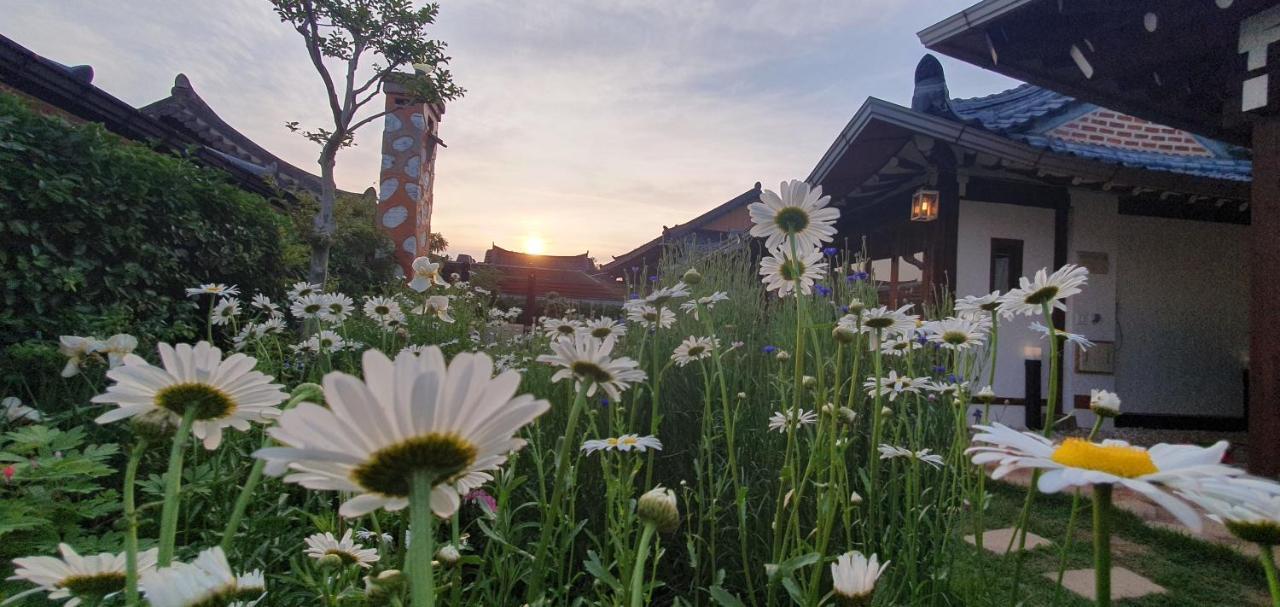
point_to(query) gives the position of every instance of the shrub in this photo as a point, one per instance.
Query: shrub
(361, 260)
(98, 228)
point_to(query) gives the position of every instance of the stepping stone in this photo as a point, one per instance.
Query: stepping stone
(1125, 584)
(997, 540)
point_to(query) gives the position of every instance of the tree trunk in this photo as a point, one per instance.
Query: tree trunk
(324, 226)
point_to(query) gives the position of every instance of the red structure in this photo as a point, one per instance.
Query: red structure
(410, 135)
(573, 277)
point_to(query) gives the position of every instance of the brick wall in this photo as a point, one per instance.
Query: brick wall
(1113, 129)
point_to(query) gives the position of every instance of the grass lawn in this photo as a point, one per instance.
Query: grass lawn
(1194, 573)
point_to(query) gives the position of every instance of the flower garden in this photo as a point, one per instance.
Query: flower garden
(745, 430)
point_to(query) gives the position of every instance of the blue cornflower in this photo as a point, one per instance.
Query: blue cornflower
(769, 349)
(604, 402)
(822, 290)
(952, 379)
(831, 251)
(635, 296)
(857, 276)
(844, 309)
(653, 279)
(939, 369)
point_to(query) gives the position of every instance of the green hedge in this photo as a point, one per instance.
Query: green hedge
(100, 234)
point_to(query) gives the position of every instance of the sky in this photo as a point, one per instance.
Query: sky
(588, 125)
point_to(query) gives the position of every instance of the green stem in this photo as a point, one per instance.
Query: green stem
(1269, 566)
(1102, 543)
(557, 492)
(173, 482)
(242, 502)
(131, 519)
(422, 527)
(1071, 524)
(637, 572)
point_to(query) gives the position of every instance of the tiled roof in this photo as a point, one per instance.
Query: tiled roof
(1026, 113)
(574, 285)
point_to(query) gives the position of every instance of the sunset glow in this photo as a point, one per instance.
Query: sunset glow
(535, 245)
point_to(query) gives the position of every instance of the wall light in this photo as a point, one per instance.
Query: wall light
(924, 205)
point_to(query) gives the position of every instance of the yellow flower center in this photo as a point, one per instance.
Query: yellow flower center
(629, 441)
(791, 220)
(1120, 460)
(208, 401)
(389, 470)
(95, 585)
(600, 332)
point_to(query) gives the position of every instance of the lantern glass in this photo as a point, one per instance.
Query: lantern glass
(924, 205)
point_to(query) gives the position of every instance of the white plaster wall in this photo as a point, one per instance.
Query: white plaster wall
(1094, 226)
(979, 223)
(1183, 316)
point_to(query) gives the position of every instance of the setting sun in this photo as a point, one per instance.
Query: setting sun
(535, 245)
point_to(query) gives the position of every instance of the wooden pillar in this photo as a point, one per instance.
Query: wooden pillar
(1264, 300)
(949, 230)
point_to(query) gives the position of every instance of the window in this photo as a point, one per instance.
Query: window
(1006, 263)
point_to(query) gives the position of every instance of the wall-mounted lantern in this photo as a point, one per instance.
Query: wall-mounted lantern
(924, 205)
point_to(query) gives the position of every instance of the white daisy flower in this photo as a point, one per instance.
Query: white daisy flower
(225, 312)
(603, 327)
(1080, 341)
(411, 416)
(945, 388)
(899, 345)
(12, 410)
(780, 421)
(1044, 289)
(437, 305)
(1248, 507)
(978, 306)
(74, 577)
(695, 348)
(1076, 462)
(77, 349)
(660, 297)
(587, 359)
(270, 326)
(365, 535)
(1104, 403)
(892, 385)
(116, 347)
(651, 317)
(416, 349)
(782, 273)
(309, 306)
(337, 308)
(853, 577)
(302, 289)
(923, 455)
(626, 442)
(324, 341)
(425, 274)
(561, 327)
(889, 322)
(703, 303)
(393, 321)
(955, 333)
(321, 545)
(380, 308)
(223, 393)
(208, 580)
(216, 289)
(795, 211)
(262, 302)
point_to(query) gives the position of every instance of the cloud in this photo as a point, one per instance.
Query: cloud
(591, 123)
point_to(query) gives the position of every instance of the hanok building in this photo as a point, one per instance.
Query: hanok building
(967, 195)
(184, 123)
(531, 278)
(1203, 67)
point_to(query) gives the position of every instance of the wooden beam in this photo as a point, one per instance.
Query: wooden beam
(1264, 301)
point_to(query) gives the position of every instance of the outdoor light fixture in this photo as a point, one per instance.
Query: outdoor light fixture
(924, 205)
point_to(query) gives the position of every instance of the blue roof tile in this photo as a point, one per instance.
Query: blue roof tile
(1027, 112)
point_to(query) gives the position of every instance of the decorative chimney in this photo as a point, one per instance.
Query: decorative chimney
(410, 135)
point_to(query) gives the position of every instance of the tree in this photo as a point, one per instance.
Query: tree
(338, 34)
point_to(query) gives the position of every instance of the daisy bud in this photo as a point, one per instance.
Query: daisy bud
(809, 381)
(855, 499)
(1104, 403)
(448, 555)
(856, 306)
(330, 561)
(986, 395)
(742, 396)
(853, 578)
(844, 334)
(886, 412)
(389, 578)
(658, 508)
(306, 392)
(848, 414)
(770, 570)
(782, 356)
(692, 277)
